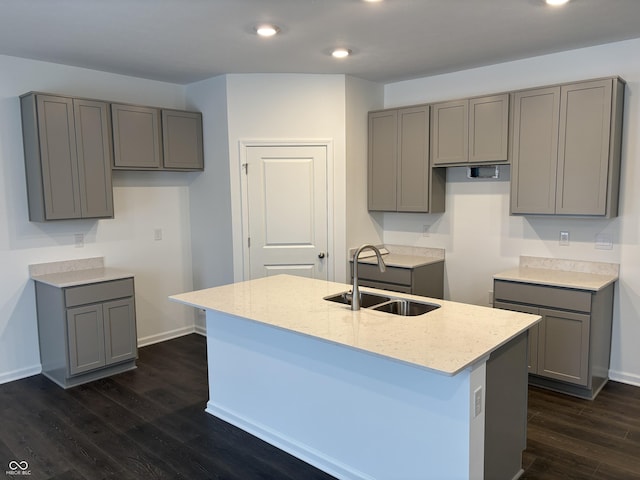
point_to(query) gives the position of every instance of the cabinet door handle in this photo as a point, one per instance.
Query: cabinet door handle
(321, 255)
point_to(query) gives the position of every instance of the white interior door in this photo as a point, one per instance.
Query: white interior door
(287, 210)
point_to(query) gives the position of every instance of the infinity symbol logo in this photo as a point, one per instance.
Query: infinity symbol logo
(13, 465)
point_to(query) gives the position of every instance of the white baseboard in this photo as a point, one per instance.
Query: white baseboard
(161, 337)
(622, 377)
(20, 374)
(200, 330)
(289, 445)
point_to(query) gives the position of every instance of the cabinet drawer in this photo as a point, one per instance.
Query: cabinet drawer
(556, 297)
(98, 292)
(366, 271)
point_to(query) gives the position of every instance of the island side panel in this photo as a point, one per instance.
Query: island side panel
(350, 413)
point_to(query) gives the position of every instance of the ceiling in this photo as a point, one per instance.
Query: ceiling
(183, 41)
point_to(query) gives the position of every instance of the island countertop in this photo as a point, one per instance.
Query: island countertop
(446, 340)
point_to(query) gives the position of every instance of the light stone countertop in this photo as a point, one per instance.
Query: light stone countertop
(402, 256)
(446, 340)
(71, 273)
(581, 275)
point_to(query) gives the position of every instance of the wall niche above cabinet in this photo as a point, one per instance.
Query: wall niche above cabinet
(566, 149)
(400, 177)
(470, 131)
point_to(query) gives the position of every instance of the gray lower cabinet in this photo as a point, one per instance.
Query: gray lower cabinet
(566, 149)
(400, 178)
(505, 424)
(425, 280)
(86, 332)
(569, 349)
(148, 138)
(470, 131)
(67, 147)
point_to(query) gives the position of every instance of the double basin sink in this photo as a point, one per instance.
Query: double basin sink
(387, 304)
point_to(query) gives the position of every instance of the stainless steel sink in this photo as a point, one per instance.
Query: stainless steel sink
(406, 308)
(366, 299)
(395, 306)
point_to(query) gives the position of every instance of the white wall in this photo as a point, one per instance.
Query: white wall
(476, 230)
(289, 107)
(362, 226)
(143, 202)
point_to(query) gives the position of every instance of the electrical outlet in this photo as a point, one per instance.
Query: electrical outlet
(78, 238)
(425, 230)
(477, 401)
(157, 234)
(564, 239)
(604, 241)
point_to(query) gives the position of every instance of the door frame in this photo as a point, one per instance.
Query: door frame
(242, 157)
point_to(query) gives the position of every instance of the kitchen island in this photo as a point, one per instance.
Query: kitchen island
(368, 394)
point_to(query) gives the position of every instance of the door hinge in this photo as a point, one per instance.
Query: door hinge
(249, 242)
(246, 168)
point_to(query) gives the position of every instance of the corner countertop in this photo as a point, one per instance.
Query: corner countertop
(71, 273)
(580, 275)
(446, 340)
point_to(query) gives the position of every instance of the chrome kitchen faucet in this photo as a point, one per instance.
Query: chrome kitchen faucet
(355, 300)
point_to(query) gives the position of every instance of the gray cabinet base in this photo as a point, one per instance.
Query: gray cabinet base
(506, 410)
(59, 376)
(597, 383)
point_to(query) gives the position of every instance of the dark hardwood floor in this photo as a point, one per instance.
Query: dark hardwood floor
(150, 424)
(570, 438)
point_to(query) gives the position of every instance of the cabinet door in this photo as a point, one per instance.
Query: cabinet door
(413, 160)
(58, 157)
(583, 157)
(85, 335)
(182, 140)
(535, 151)
(382, 152)
(533, 333)
(120, 337)
(488, 128)
(563, 348)
(137, 140)
(93, 139)
(450, 132)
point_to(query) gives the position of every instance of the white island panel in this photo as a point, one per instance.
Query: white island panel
(353, 415)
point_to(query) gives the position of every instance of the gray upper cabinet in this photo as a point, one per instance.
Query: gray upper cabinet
(137, 137)
(383, 160)
(470, 131)
(400, 177)
(67, 146)
(147, 138)
(182, 140)
(566, 149)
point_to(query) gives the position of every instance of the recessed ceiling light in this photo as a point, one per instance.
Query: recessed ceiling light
(341, 52)
(556, 3)
(267, 30)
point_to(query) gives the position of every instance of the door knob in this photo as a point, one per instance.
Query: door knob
(321, 255)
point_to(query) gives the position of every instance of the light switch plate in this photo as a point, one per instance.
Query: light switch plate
(564, 238)
(604, 241)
